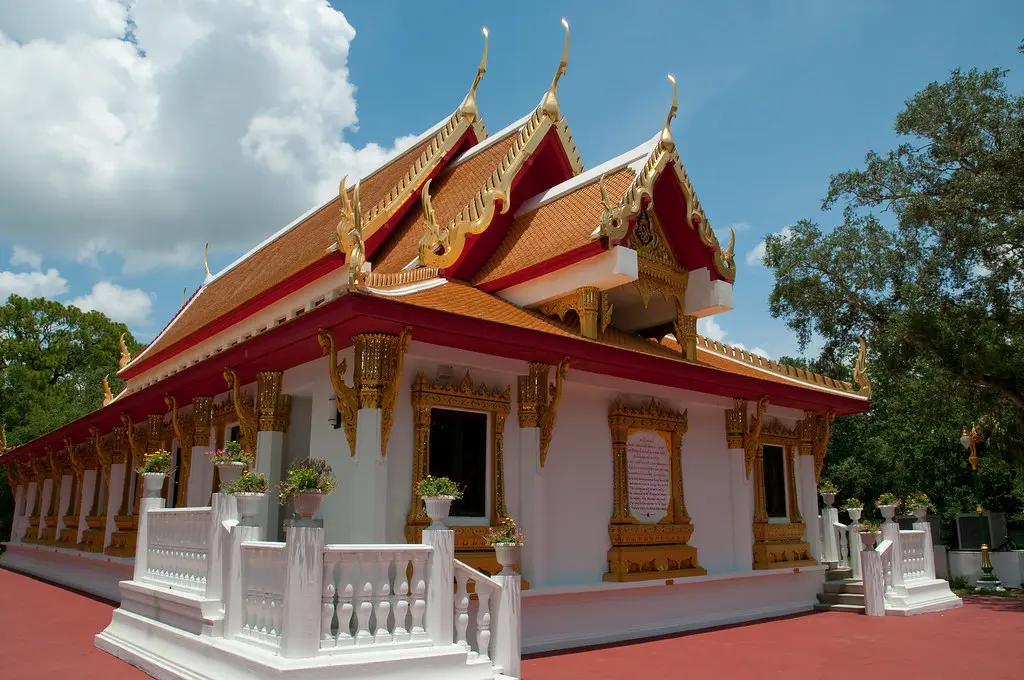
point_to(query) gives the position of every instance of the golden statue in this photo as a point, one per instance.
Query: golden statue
(125, 355)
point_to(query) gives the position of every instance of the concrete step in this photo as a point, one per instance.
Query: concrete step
(829, 565)
(849, 608)
(841, 598)
(845, 586)
(838, 574)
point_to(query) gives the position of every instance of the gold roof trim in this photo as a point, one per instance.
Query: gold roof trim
(402, 278)
(785, 370)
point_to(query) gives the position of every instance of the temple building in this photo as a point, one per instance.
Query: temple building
(481, 307)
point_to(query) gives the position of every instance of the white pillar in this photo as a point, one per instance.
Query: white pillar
(891, 532)
(874, 583)
(65, 502)
(742, 498)
(853, 536)
(367, 501)
(223, 510)
(808, 497)
(300, 637)
(233, 597)
(200, 477)
(531, 505)
(507, 625)
(829, 516)
(929, 550)
(90, 478)
(151, 500)
(269, 454)
(117, 472)
(440, 586)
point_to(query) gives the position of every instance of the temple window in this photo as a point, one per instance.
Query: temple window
(172, 492)
(234, 433)
(775, 484)
(458, 450)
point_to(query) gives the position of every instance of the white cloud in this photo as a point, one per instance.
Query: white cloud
(756, 255)
(24, 256)
(222, 122)
(710, 329)
(127, 305)
(32, 284)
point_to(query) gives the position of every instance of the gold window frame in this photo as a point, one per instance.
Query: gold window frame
(779, 544)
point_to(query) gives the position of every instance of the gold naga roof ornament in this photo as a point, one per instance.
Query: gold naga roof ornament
(860, 370)
(108, 396)
(350, 234)
(206, 262)
(469, 107)
(125, 354)
(432, 236)
(549, 105)
(668, 142)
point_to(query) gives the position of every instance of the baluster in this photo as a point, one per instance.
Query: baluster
(327, 603)
(366, 564)
(346, 594)
(277, 615)
(483, 621)
(461, 609)
(383, 597)
(402, 599)
(419, 595)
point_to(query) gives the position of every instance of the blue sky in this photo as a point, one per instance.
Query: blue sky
(774, 97)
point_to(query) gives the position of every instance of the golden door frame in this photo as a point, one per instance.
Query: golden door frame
(779, 544)
(640, 551)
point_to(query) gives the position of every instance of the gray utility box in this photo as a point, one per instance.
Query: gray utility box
(968, 530)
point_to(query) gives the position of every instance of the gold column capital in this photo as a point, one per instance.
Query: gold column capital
(273, 407)
(685, 326)
(736, 424)
(591, 306)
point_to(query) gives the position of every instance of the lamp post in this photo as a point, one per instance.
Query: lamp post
(970, 439)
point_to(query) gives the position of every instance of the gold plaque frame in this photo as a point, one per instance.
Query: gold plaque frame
(639, 551)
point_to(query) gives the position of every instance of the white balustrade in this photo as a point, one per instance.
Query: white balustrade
(373, 595)
(488, 593)
(915, 563)
(263, 582)
(842, 538)
(177, 548)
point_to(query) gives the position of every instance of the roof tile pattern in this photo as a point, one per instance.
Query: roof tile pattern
(557, 227)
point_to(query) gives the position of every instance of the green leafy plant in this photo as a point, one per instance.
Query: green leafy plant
(826, 486)
(506, 532)
(157, 462)
(438, 486)
(917, 500)
(231, 453)
(247, 482)
(869, 526)
(309, 474)
(887, 499)
(959, 583)
(853, 503)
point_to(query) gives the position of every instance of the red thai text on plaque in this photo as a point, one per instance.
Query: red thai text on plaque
(649, 470)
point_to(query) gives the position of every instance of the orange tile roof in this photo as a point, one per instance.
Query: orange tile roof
(450, 192)
(289, 253)
(556, 227)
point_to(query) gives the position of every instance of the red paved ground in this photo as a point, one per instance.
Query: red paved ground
(46, 632)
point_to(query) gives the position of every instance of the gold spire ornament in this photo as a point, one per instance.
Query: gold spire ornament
(350, 234)
(860, 370)
(125, 354)
(432, 236)
(206, 261)
(108, 396)
(469, 107)
(549, 106)
(667, 141)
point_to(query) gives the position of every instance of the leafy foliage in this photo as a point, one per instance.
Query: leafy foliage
(309, 474)
(438, 486)
(247, 482)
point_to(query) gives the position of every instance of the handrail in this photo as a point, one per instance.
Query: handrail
(478, 577)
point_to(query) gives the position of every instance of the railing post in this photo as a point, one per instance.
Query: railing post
(304, 558)
(223, 508)
(929, 550)
(151, 500)
(508, 624)
(830, 516)
(440, 585)
(874, 582)
(233, 536)
(853, 538)
(891, 532)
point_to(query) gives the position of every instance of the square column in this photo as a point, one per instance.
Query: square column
(274, 411)
(200, 473)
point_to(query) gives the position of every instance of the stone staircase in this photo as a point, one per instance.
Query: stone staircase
(842, 593)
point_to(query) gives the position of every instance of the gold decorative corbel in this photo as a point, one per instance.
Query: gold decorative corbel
(752, 439)
(725, 260)
(135, 449)
(350, 234)
(591, 306)
(860, 370)
(108, 396)
(821, 437)
(390, 389)
(550, 104)
(685, 329)
(185, 433)
(346, 398)
(104, 459)
(244, 410)
(469, 107)
(548, 412)
(125, 355)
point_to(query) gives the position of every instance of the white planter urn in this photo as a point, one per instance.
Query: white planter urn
(229, 472)
(152, 484)
(508, 555)
(888, 511)
(307, 503)
(248, 507)
(920, 514)
(854, 514)
(829, 499)
(438, 508)
(867, 538)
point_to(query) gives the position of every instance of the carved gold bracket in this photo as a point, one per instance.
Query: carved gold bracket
(248, 423)
(345, 397)
(816, 430)
(752, 439)
(538, 401)
(273, 407)
(591, 306)
(185, 434)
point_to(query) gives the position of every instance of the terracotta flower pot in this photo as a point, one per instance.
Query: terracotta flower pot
(248, 507)
(508, 555)
(438, 508)
(829, 499)
(229, 472)
(307, 503)
(152, 484)
(867, 538)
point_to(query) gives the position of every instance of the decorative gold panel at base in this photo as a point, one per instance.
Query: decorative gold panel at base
(649, 534)
(777, 546)
(68, 536)
(49, 535)
(648, 563)
(93, 537)
(122, 541)
(32, 533)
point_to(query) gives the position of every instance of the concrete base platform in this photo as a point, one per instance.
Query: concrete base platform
(921, 597)
(92, 573)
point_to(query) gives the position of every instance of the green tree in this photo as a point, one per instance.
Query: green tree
(53, 359)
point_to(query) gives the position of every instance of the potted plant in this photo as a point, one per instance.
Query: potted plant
(854, 508)
(249, 490)
(231, 461)
(887, 504)
(828, 492)
(918, 503)
(507, 541)
(869, 533)
(154, 469)
(306, 484)
(437, 494)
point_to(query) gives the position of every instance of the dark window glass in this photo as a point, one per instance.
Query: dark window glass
(235, 434)
(458, 450)
(775, 481)
(173, 491)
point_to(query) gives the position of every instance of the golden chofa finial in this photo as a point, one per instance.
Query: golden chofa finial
(469, 107)
(860, 370)
(730, 250)
(667, 141)
(550, 104)
(125, 355)
(206, 261)
(108, 396)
